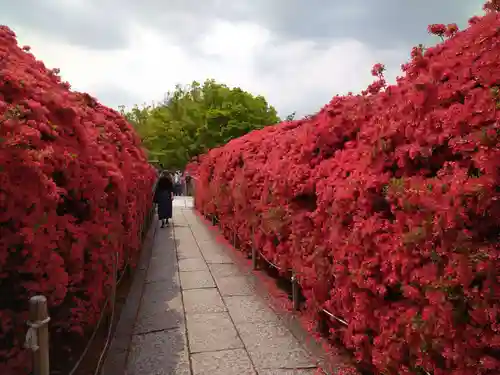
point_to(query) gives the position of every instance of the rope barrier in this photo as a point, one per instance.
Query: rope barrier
(293, 279)
(340, 320)
(269, 262)
(112, 298)
(110, 330)
(91, 340)
(31, 341)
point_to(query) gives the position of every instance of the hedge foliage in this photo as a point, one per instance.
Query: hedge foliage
(387, 206)
(75, 186)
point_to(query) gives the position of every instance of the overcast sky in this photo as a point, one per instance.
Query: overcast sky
(297, 53)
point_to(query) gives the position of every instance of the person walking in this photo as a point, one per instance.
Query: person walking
(187, 179)
(176, 183)
(164, 195)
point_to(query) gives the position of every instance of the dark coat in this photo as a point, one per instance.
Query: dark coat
(163, 197)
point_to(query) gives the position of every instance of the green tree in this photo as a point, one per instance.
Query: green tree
(193, 119)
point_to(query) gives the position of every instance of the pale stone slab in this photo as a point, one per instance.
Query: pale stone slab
(248, 309)
(164, 245)
(196, 280)
(161, 308)
(224, 270)
(209, 245)
(189, 252)
(272, 335)
(211, 332)
(159, 353)
(183, 234)
(217, 258)
(225, 362)
(203, 301)
(271, 345)
(160, 320)
(194, 264)
(264, 358)
(309, 371)
(234, 286)
(162, 272)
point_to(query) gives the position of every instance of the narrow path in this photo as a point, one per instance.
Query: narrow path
(200, 316)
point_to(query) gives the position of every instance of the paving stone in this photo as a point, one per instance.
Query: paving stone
(160, 320)
(234, 286)
(163, 273)
(164, 246)
(184, 233)
(164, 236)
(224, 270)
(189, 256)
(164, 249)
(178, 218)
(203, 301)
(163, 259)
(210, 246)
(225, 362)
(196, 280)
(217, 258)
(159, 353)
(264, 358)
(202, 233)
(161, 308)
(161, 292)
(160, 271)
(272, 335)
(309, 371)
(181, 202)
(211, 332)
(188, 265)
(248, 309)
(189, 252)
(271, 345)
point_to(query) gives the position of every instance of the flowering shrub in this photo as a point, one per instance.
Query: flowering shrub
(74, 189)
(387, 206)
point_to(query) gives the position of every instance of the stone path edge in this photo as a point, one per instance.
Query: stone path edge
(330, 364)
(117, 354)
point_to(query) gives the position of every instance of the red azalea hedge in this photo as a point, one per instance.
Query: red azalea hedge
(75, 187)
(387, 205)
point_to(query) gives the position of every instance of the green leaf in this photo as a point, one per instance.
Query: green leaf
(195, 118)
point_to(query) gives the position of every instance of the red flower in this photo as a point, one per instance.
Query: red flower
(386, 205)
(474, 19)
(451, 29)
(437, 29)
(74, 189)
(492, 6)
(377, 70)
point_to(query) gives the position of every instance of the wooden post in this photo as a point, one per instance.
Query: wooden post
(295, 293)
(254, 257)
(322, 325)
(191, 191)
(38, 335)
(254, 250)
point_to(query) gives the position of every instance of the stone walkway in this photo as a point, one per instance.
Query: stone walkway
(183, 202)
(200, 316)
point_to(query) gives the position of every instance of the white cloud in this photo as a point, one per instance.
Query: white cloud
(301, 75)
(233, 40)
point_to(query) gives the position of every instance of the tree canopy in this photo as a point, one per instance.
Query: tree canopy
(193, 119)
